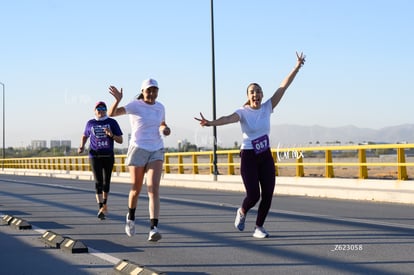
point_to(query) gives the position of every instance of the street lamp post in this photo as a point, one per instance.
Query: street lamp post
(4, 131)
(215, 172)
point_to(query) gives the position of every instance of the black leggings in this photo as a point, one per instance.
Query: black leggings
(258, 172)
(102, 171)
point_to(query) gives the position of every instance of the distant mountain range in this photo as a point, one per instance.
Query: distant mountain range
(297, 135)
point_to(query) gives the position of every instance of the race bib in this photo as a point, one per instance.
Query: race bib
(103, 143)
(260, 144)
(102, 140)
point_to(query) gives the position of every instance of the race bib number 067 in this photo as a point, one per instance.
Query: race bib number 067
(260, 144)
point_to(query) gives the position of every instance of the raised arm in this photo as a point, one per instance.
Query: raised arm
(233, 118)
(277, 96)
(114, 110)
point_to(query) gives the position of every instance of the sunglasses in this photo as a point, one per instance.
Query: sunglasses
(101, 108)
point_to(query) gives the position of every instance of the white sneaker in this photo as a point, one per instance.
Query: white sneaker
(154, 235)
(240, 220)
(260, 233)
(129, 226)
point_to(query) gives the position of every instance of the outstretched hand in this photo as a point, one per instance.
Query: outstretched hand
(203, 121)
(116, 93)
(301, 59)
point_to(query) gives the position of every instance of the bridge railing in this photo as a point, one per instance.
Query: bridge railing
(328, 160)
(66, 163)
(358, 161)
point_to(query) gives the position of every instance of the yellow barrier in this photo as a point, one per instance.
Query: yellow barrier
(301, 159)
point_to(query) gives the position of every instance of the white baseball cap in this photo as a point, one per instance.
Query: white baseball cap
(150, 82)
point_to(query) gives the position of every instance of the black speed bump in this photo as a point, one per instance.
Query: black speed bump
(16, 222)
(127, 267)
(20, 224)
(73, 246)
(7, 219)
(52, 239)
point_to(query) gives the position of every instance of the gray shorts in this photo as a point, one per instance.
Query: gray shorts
(140, 157)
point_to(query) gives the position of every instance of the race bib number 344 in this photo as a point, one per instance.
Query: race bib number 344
(260, 144)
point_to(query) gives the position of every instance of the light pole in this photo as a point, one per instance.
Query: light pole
(215, 172)
(4, 131)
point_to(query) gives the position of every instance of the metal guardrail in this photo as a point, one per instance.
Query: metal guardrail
(228, 160)
(66, 163)
(285, 157)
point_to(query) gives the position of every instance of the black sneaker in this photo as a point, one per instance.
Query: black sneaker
(101, 214)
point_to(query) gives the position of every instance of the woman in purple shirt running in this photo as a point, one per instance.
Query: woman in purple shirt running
(257, 166)
(102, 132)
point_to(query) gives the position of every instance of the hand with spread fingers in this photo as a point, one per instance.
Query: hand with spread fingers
(203, 121)
(301, 59)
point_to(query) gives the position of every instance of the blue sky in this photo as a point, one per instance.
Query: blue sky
(57, 58)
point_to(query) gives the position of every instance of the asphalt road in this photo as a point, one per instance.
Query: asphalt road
(308, 235)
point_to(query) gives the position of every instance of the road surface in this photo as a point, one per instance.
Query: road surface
(308, 235)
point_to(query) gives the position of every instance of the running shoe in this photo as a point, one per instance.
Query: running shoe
(154, 235)
(260, 233)
(101, 214)
(240, 220)
(129, 226)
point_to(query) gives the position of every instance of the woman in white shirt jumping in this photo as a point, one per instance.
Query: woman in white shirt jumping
(257, 166)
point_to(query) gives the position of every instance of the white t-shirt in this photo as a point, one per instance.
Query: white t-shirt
(254, 122)
(145, 120)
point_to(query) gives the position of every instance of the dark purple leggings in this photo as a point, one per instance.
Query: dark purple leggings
(102, 172)
(258, 172)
